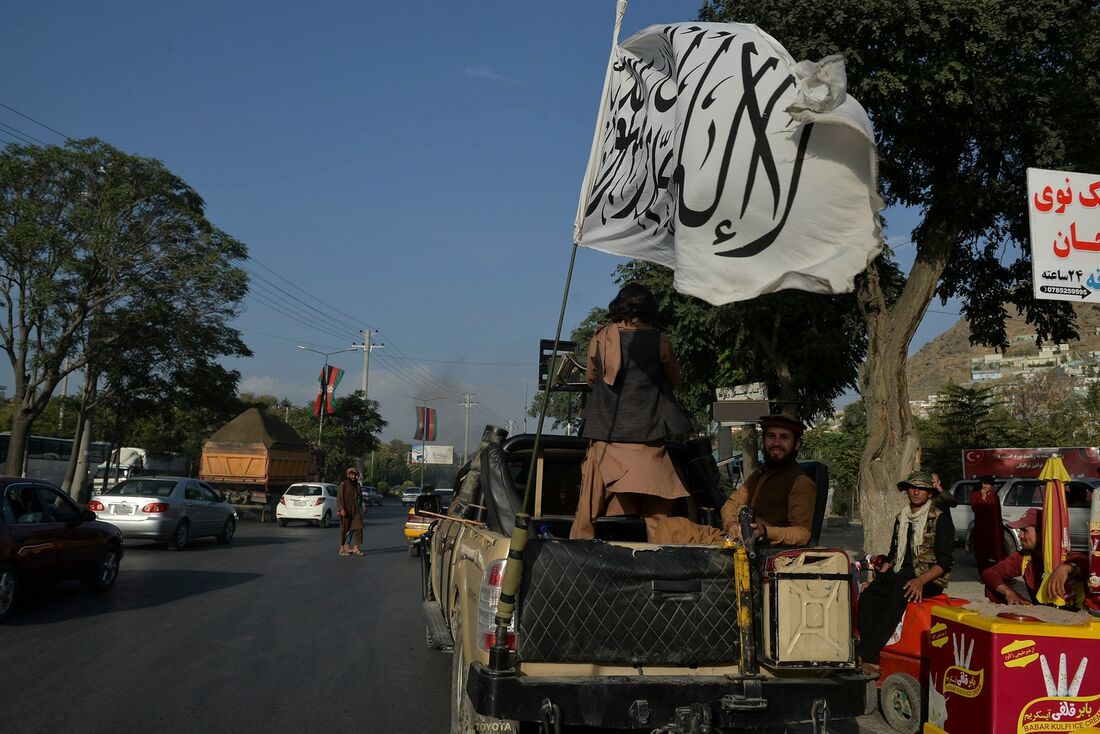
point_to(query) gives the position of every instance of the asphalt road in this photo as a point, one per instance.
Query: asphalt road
(274, 633)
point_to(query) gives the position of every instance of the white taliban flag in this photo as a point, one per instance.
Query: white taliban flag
(719, 156)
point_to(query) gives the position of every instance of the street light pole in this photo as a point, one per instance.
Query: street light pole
(367, 348)
(466, 401)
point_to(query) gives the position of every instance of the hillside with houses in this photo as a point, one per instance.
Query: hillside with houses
(950, 358)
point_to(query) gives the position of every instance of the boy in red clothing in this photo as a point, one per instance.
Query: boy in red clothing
(1066, 581)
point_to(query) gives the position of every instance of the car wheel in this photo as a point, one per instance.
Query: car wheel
(282, 523)
(326, 520)
(9, 589)
(228, 531)
(900, 699)
(107, 571)
(181, 537)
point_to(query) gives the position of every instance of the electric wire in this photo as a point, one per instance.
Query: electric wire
(26, 137)
(36, 122)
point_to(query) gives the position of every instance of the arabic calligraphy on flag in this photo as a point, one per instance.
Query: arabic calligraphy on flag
(1064, 214)
(719, 156)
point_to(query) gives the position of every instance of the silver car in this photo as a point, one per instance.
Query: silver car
(168, 509)
(1017, 495)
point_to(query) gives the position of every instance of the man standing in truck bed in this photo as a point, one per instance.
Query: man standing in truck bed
(780, 494)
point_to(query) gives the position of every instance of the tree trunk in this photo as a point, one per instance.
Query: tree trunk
(78, 455)
(21, 421)
(893, 446)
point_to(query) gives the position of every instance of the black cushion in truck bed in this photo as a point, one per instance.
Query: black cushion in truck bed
(591, 602)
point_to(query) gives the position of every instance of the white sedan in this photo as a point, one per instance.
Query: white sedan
(312, 502)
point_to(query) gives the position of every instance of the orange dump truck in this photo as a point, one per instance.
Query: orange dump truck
(253, 458)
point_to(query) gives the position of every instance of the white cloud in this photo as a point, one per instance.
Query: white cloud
(484, 71)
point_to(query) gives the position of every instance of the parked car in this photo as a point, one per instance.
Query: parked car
(311, 502)
(372, 496)
(45, 537)
(1017, 495)
(175, 510)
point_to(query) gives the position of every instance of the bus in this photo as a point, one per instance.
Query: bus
(48, 458)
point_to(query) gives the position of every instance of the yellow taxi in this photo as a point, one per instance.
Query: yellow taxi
(417, 523)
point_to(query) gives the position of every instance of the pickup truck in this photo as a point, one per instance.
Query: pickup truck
(618, 634)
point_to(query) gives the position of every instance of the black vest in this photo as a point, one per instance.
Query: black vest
(639, 407)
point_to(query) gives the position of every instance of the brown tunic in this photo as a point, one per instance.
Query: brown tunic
(782, 499)
(347, 499)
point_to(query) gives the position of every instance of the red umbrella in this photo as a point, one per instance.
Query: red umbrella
(1055, 525)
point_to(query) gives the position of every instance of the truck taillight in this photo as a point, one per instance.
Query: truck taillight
(488, 600)
(319, 501)
(155, 507)
(95, 506)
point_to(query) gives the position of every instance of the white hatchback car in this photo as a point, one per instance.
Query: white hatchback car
(313, 502)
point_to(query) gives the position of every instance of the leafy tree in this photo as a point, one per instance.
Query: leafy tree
(964, 97)
(99, 249)
(346, 436)
(963, 418)
(840, 450)
(806, 347)
(203, 399)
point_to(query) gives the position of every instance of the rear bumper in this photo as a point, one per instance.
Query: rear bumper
(635, 702)
(413, 533)
(143, 527)
(312, 514)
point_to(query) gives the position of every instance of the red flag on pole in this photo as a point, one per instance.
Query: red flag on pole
(425, 423)
(326, 385)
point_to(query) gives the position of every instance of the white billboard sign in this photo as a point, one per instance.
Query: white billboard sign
(1064, 212)
(435, 454)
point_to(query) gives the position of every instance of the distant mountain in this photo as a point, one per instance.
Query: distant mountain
(947, 357)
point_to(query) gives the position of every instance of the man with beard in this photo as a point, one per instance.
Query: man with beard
(780, 494)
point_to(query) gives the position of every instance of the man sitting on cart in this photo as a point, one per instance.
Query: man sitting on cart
(1066, 581)
(918, 565)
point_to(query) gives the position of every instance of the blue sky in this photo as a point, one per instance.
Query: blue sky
(407, 167)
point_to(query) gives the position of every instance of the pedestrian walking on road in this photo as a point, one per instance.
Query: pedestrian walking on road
(351, 523)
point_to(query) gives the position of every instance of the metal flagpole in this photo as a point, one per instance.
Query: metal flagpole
(513, 570)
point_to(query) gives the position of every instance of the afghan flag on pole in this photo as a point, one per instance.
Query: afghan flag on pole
(425, 423)
(326, 385)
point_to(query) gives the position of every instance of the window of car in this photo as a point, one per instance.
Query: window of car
(1078, 494)
(208, 494)
(59, 507)
(24, 505)
(331, 490)
(304, 490)
(1027, 493)
(963, 489)
(144, 488)
(191, 491)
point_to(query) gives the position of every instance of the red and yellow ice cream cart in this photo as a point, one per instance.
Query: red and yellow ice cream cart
(991, 671)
